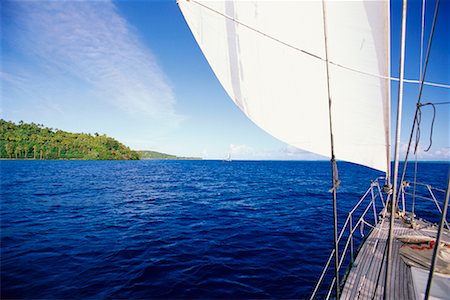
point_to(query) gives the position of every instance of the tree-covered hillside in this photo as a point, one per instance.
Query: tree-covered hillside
(147, 154)
(34, 141)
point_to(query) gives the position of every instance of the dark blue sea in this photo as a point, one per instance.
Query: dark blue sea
(173, 229)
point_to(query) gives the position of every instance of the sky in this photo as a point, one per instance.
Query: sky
(133, 71)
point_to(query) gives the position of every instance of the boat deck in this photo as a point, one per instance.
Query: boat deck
(365, 281)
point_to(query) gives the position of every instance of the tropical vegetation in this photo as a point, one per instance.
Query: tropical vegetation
(147, 154)
(35, 141)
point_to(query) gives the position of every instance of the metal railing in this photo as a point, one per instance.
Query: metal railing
(351, 227)
(421, 191)
(428, 193)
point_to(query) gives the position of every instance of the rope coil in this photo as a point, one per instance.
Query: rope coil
(419, 119)
(336, 180)
(387, 189)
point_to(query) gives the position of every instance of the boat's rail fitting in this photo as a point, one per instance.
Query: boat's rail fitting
(356, 219)
(365, 216)
(423, 192)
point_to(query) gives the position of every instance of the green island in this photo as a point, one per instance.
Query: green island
(147, 154)
(35, 141)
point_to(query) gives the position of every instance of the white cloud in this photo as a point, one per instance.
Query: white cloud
(92, 43)
(291, 152)
(241, 150)
(434, 154)
(287, 152)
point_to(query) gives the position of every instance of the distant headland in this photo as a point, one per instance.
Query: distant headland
(35, 141)
(147, 154)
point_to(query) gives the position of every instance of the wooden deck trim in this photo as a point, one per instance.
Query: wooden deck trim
(361, 281)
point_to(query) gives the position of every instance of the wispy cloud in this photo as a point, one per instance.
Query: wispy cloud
(241, 150)
(286, 152)
(91, 42)
(434, 154)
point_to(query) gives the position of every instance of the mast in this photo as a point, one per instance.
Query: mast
(334, 179)
(397, 154)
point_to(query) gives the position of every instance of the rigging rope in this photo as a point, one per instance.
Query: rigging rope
(416, 115)
(422, 30)
(335, 176)
(418, 121)
(422, 37)
(434, 84)
(419, 118)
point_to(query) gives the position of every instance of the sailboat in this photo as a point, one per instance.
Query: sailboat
(228, 159)
(316, 75)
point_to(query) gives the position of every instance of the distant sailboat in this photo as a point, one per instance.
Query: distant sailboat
(316, 75)
(228, 159)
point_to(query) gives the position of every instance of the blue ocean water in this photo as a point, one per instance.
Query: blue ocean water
(172, 229)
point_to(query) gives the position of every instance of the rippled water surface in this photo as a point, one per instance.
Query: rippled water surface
(171, 229)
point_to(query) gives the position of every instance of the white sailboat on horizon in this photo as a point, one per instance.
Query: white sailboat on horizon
(228, 158)
(317, 75)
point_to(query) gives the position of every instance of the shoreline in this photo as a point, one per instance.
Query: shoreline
(81, 159)
(193, 159)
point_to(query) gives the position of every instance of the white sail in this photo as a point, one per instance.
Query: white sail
(270, 58)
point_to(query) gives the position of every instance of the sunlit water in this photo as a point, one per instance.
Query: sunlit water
(172, 229)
